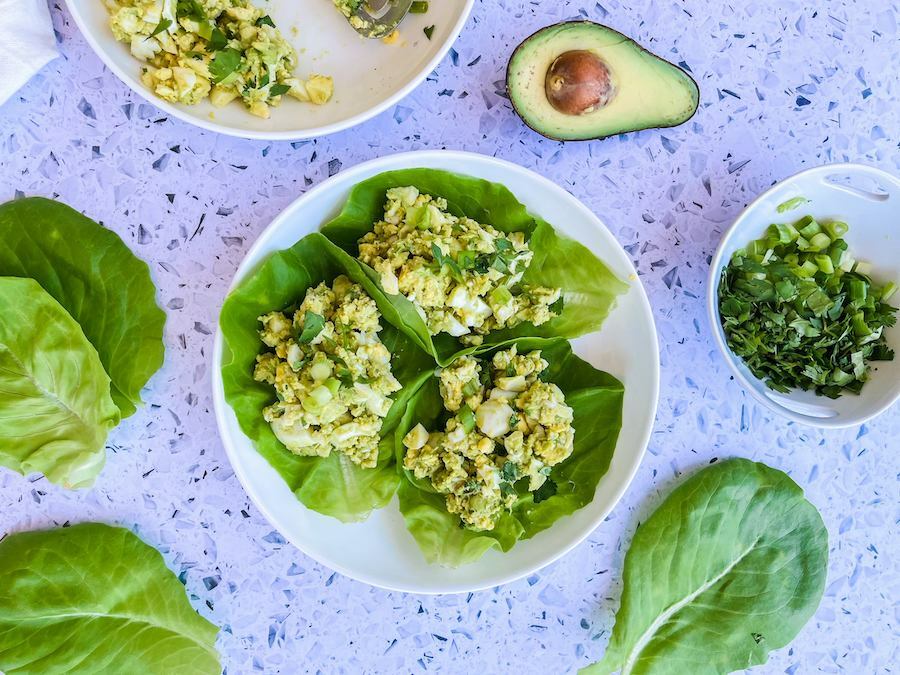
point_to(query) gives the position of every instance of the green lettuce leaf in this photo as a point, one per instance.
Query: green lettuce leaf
(589, 287)
(55, 404)
(596, 398)
(97, 279)
(332, 485)
(729, 567)
(93, 598)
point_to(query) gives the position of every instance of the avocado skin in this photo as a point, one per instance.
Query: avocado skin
(535, 125)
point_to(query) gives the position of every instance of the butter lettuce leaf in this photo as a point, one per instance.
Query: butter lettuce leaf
(55, 403)
(92, 598)
(596, 398)
(589, 286)
(332, 485)
(97, 279)
(729, 567)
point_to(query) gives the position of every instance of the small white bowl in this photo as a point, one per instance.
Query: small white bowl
(868, 200)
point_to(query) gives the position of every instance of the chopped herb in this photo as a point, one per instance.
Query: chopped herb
(429, 31)
(801, 313)
(513, 420)
(312, 325)
(502, 245)
(791, 204)
(279, 89)
(224, 64)
(510, 472)
(547, 490)
(160, 27)
(557, 307)
(442, 261)
(190, 9)
(265, 21)
(217, 41)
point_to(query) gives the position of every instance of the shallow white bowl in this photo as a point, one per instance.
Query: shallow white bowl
(380, 551)
(369, 76)
(868, 200)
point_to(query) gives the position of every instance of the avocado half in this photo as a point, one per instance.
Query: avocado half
(581, 80)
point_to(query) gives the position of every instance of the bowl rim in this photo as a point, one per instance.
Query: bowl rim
(428, 158)
(179, 112)
(712, 288)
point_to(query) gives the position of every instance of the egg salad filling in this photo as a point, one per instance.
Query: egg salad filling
(220, 49)
(331, 373)
(507, 426)
(464, 277)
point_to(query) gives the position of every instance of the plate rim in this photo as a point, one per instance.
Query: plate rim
(712, 304)
(297, 135)
(409, 160)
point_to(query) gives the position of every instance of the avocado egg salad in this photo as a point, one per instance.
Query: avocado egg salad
(463, 277)
(507, 425)
(417, 346)
(498, 446)
(218, 49)
(331, 372)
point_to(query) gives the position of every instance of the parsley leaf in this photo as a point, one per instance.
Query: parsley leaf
(312, 325)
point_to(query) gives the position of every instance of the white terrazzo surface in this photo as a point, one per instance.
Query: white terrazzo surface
(785, 85)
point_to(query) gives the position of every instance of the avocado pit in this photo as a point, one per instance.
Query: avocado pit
(578, 82)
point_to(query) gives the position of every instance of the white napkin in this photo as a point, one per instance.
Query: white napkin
(27, 43)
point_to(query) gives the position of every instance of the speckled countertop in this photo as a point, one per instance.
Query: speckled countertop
(785, 85)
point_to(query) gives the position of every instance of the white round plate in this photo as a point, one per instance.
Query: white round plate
(369, 76)
(380, 551)
(868, 200)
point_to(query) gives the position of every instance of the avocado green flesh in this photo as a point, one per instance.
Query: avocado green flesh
(649, 91)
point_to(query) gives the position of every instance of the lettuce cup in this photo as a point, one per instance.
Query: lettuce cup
(317, 378)
(464, 265)
(496, 447)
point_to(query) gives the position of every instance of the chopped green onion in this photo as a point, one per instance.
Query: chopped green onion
(791, 204)
(836, 229)
(467, 417)
(418, 7)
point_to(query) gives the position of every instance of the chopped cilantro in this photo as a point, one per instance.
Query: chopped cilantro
(547, 490)
(265, 21)
(279, 89)
(801, 313)
(224, 64)
(312, 325)
(217, 41)
(429, 31)
(160, 27)
(190, 9)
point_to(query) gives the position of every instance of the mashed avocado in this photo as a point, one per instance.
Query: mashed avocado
(507, 425)
(221, 49)
(331, 373)
(465, 278)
